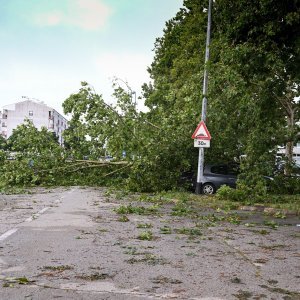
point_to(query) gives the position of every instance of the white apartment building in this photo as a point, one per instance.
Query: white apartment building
(39, 113)
(296, 153)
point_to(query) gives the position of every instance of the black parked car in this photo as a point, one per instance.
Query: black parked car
(216, 175)
(213, 177)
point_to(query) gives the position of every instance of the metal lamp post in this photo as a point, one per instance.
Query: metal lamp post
(204, 102)
(134, 133)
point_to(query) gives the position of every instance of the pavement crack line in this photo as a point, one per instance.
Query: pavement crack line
(241, 254)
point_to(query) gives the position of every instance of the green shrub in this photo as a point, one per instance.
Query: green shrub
(227, 193)
(285, 185)
(145, 236)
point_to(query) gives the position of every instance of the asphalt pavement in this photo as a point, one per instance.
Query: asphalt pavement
(78, 243)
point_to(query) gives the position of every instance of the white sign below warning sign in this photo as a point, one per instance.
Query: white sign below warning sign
(201, 143)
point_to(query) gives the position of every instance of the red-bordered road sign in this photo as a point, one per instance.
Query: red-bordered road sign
(201, 132)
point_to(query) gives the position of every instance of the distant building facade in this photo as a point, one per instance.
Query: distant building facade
(39, 113)
(296, 153)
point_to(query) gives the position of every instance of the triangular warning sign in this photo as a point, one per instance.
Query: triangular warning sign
(201, 132)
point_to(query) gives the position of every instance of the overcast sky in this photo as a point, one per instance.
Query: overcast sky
(49, 46)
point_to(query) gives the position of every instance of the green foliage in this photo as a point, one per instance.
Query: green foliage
(123, 218)
(247, 194)
(285, 185)
(227, 193)
(253, 83)
(189, 231)
(85, 106)
(17, 173)
(181, 209)
(28, 139)
(165, 230)
(252, 89)
(271, 224)
(255, 79)
(37, 154)
(37, 158)
(95, 124)
(145, 236)
(3, 143)
(139, 210)
(252, 108)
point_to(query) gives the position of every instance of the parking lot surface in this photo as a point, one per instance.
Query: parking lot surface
(89, 243)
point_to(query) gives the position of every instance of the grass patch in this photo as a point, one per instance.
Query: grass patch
(273, 247)
(149, 259)
(11, 281)
(191, 254)
(182, 209)
(243, 295)
(232, 218)
(200, 201)
(165, 230)
(271, 224)
(188, 231)
(289, 295)
(283, 202)
(138, 210)
(123, 219)
(94, 276)
(261, 231)
(145, 236)
(163, 280)
(156, 198)
(58, 268)
(11, 190)
(132, 250)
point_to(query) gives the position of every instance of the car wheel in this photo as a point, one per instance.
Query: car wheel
(208, 189)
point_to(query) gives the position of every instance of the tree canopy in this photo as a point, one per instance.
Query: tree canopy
(253, 98)
(253, 89)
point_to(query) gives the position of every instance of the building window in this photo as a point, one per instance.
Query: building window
(4, 124)
(30, 113)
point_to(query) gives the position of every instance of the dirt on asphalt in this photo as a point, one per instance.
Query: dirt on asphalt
(118, 247)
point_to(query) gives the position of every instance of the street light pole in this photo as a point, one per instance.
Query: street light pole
(134, 133)
(204, 102)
